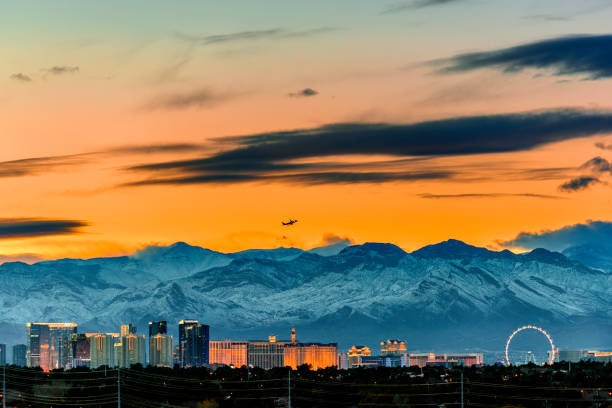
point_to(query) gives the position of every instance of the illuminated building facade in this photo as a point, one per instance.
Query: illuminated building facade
(19, 355)
(48, 345)
(193, 343)
(101, 350)
(355, 353)
(316, 355)
(161, 350)
(132, 350)
(421, 359)
(228, 352)
(266, 354)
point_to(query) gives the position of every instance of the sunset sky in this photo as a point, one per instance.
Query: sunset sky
(126, 124)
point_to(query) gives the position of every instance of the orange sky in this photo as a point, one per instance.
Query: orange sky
(129, 74)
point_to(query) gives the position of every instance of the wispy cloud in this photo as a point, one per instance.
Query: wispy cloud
(198, 98)
(252, 35)
(21, 77)
(489, 195)
(61, 70)
(41, 165)
(11, 228)
(38, 165)
(194, 41)
(415, 5)
(306, 92)
(587, 55)
(603, 146)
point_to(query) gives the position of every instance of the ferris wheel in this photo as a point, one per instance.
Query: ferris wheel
(551, 357)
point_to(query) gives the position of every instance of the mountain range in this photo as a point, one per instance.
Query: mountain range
(445, 296)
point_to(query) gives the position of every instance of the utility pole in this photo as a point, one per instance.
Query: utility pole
(118, 387)
(4, 386)
(289, 389)
(461, 388)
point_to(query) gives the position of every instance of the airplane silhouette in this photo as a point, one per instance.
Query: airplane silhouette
(290, 222)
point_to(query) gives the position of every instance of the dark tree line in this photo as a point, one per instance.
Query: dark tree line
(587, 384)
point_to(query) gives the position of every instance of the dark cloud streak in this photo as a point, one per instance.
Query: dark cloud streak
(11, 228)
(273, 155)
(588, 55)
(578, 184)
(304, 93)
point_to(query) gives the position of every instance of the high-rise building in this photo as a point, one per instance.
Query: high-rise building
(355, 353)
(19, 355)
(80, 350)
(158, 346)
(127, 329)
(193, 343)
(156, 328)
(228, 352)
(101, 350)
(49, 345)
(161, 350)
(2, 354)
(131, 350)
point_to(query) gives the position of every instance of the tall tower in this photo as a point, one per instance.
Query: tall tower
(193, 343)
(293, 335)
(127, 329)
(156, 328)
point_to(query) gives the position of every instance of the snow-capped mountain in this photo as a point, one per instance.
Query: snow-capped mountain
(449, 294)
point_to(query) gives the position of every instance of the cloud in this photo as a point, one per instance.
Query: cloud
(193, 42)
(587, 55)
(272, 156)
(199, 98)
(603, 146)
(578, 184)
(21, 77)
(252, 35)
(490, 195)
(331, 244)
(329, 238)
(38, 165)
(38, 227)
(415, 5)
(598, 165)
(589, 233)
(61, 70)
(41, 165)
(306, 92)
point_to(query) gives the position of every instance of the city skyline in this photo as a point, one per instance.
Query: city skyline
(369, 122)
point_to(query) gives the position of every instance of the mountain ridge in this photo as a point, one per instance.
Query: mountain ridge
(361, 293)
